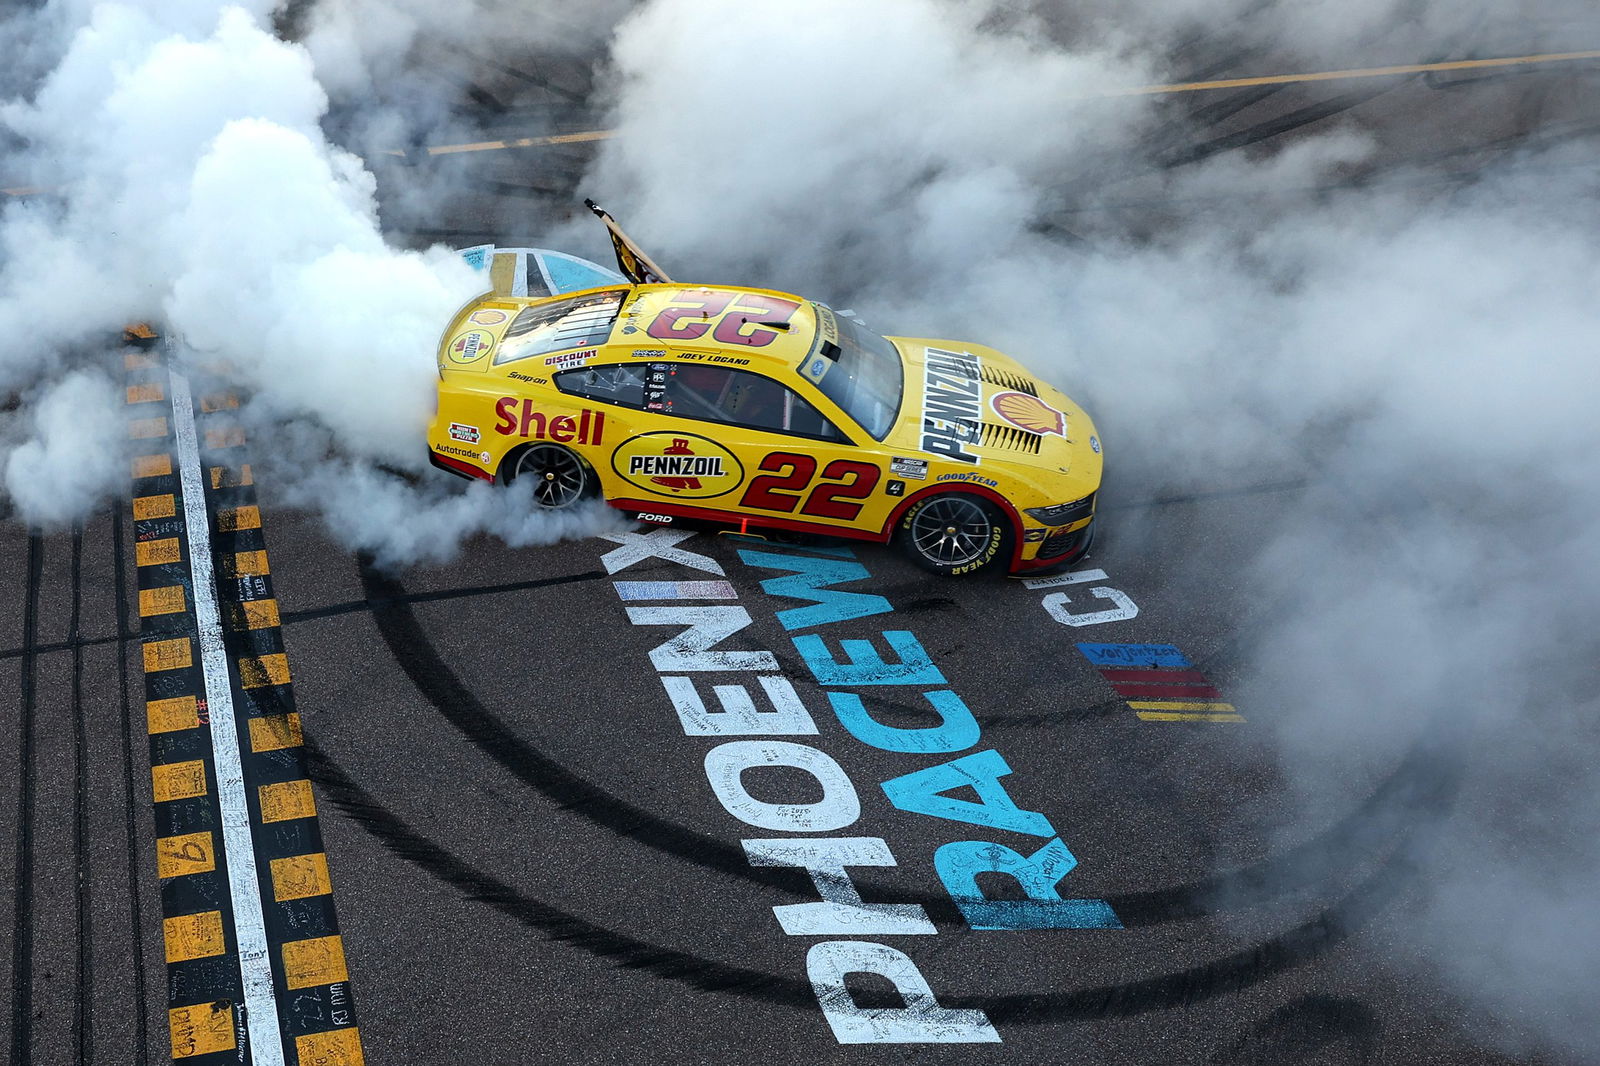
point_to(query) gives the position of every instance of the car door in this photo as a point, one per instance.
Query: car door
(733, 442)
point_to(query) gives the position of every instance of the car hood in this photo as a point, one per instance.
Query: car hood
(972, 404)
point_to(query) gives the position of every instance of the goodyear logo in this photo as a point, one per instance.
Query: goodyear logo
(682, 465)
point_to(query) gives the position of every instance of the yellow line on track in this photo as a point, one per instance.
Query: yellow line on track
(520, 142)
(586, 136)
(1368, 72)
(1147, 90)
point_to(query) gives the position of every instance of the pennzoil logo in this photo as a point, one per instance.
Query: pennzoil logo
(683, 465)
(1029, 413)
(952, 403)
(471, 346)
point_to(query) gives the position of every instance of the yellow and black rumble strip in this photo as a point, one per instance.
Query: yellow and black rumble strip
(255, 963)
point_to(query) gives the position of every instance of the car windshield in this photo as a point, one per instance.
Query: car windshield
(856, 369)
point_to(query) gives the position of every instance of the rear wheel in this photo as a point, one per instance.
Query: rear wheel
(958, 533)
(559, 475)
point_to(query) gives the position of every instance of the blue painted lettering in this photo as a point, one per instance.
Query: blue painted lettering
(865, 666)
(926, 791)
(957, 730)
(808, 582)
(960, 863)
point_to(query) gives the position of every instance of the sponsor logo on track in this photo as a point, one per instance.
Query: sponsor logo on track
(952, 403)
(976, 822)
(678, 464)
(517, 418)
(469, 434)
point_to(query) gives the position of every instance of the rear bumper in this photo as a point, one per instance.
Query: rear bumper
(458, 468)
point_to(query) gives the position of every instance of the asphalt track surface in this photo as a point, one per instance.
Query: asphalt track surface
(530, 861)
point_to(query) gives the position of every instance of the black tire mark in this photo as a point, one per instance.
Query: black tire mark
(438, 684)
(82, 1036)
(141, 1056)
(480, 62)
(22, 924)
(1231, 973)
(1304, 116)
(442, 594)
(1305, 1027)
(1417, 779)
(1424, 782)
(1179, 988)
(400, 839)
(63, 645)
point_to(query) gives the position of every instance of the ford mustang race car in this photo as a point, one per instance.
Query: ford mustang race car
(757, 410)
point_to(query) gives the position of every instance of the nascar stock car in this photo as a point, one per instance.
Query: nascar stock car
(757, 410)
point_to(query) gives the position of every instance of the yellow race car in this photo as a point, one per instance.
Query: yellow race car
(757, 410)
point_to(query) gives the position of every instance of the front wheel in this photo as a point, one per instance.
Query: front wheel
(560, 476)
(958, 533)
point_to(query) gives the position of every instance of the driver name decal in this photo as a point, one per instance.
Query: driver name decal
(952, 403)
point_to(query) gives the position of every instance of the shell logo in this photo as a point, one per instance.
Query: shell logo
(1029, 413)
(677, 464)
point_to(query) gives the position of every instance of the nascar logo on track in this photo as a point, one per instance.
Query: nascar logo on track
(678, 464)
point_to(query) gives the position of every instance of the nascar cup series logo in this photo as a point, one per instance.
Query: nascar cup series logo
(683, 465)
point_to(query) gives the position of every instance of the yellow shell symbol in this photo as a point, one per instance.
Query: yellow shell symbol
(1029, 413)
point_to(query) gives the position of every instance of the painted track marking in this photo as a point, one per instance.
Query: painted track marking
(255, 965)
(585, 136)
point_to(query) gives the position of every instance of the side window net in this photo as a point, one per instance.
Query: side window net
(622, 383)
(704, 393)
(736, 397)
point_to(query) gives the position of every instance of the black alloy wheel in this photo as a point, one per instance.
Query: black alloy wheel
(560, 478)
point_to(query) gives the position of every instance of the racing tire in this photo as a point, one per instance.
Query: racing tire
(955, 534)
(561, 478)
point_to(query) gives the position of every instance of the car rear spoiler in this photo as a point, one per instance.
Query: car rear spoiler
(630, 257)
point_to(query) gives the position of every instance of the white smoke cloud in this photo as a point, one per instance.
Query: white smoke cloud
(949, 168)
(1421, 351)
(365, 45)
(190, 182)
(74, 455)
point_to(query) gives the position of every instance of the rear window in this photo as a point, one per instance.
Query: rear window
(561, 325)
